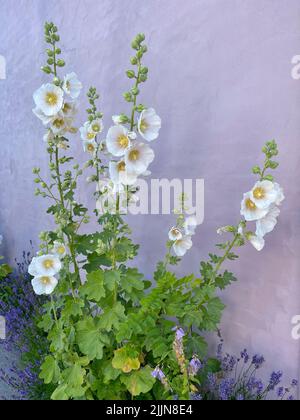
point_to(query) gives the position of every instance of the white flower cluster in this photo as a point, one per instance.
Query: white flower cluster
(135, 157)
(44, 268)
(88, 133)
(56, 106)
(129, 157)
(181, 235)
(261, 205)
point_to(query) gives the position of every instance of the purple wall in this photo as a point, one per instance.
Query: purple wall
(220, 77)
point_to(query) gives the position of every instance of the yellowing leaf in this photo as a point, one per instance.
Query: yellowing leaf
(126, 359)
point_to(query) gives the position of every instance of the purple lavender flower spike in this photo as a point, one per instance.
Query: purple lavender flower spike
(179, 333)
(158, 374)
(275, 379)
(258, 361)
(194, 366)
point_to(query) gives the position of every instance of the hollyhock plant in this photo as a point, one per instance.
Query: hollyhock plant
(110, 330)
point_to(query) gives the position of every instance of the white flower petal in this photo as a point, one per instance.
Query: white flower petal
(257, 241)
(71, 85)
(175, 234)
(182, 246)
(190, 225)
(267, 223)
(45, 265)
(117, 140)
(264, 194)
(149, 124)
(49, 99)
(249, 209)
(138, 158)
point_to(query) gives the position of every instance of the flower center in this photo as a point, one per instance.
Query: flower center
(90, 147)
(96, 127)
(250, 205)
(121, 166)
(51, 99)
(176, 232)
(134, 155)
(58, 123)
(90, 136)
(259, 193)
(61, 250)
(48, 264)
(123, 141)
(45, 280)
(66, 108)
(144, 126)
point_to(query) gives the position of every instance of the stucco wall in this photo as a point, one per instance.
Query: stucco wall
(220, 77)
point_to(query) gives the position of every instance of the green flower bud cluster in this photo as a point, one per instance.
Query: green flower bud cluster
(51, 38)
(270, 150)
(141, 73)
(93, 96)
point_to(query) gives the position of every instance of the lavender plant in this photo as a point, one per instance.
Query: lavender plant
(224, 378)
(107, 330)
(25, 343)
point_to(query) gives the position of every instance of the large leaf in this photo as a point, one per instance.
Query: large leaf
(60, 393)
(93, 289)
(112, 317)
(90, 339)
(111, 279)
(139, 382)
(50, 371)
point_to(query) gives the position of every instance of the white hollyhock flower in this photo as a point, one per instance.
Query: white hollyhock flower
(249, 209)
(86, 132)
(267, 223)
(175, 234)
(257, 241)
(49, 99)
(117, 140)
(59, 249)
(46, 265)
(70, 109)
(90, 146)
(149, 124)
(44, 285)
(117, 119)
(71, 85)
(264, 194)
(59, 125)
(190, 225)
(138, 158)
(119, 174)
(280, 194)
(96, 126)
(181, 246)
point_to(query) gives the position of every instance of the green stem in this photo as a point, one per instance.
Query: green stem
(224, 258)
(135, 97)
(70, 237)
(54, 311)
